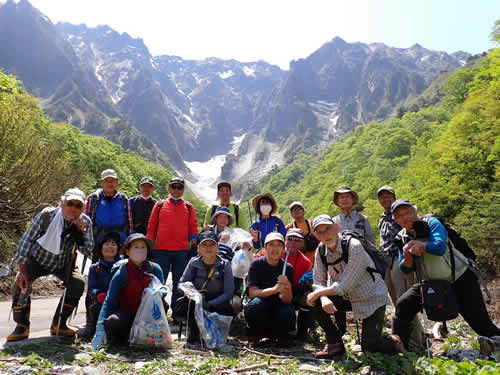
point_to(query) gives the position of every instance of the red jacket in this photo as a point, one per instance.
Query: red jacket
(175, 225)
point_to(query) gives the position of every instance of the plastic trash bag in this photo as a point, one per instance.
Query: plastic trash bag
(238, 237)
(214, 328)
(240, 263)
(150, 328)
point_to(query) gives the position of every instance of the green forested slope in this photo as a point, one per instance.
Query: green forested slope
(445, 158)
(39, 160)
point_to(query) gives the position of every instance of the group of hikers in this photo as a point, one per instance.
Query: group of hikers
(304, 274)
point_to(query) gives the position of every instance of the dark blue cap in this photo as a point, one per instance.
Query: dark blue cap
(399, 203)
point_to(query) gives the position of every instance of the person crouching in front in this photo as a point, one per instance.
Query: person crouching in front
(125, 292)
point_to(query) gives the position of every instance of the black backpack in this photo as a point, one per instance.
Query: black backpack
(310, 240)
(236, 213)
(381, 260)
(459, 243)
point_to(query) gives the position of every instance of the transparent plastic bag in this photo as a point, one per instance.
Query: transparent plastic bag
(150, 328)
(241, 263)
(238, 237)
(214, 328)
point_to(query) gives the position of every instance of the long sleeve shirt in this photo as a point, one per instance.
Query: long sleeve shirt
(388, 229)
(356, 222)
(219, 286)
(436, 259)
(352, 281)
(266, 226)
(172, 224)
(28, 249)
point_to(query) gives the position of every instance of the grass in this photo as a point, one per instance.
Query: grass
(43, 357)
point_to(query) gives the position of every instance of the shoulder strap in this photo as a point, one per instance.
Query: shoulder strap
(308, 226)
(237, 214)
(210, 273)
(214, 208)
(45, 220)
(160, 205)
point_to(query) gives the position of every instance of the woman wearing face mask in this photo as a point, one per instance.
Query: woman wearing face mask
(268, 221)
(125, 292)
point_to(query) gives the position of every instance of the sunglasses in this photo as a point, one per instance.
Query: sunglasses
(296, 208)
(323, 232)
(177, 187)
(294, 239)
(78, 205)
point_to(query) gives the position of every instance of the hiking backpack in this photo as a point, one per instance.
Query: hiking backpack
(381, 260)
(459, 243)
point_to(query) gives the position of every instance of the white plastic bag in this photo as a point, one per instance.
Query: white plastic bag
(238, 237)
(241, 263)
(150, 328)
(214, 328)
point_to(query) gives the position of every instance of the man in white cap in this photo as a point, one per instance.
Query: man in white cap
(109, 209)
(47, 248)
(348, 286)
(270, 312)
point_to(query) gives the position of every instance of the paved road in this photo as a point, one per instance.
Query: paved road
(42, 311)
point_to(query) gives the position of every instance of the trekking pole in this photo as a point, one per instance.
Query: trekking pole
(418, 271)
(66, 281)
(283, 272)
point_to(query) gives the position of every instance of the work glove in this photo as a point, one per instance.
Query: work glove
(100, 338)
(101, 297)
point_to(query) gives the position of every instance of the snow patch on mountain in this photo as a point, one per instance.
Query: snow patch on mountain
(206, 175)
(249, 70)
(226, 74)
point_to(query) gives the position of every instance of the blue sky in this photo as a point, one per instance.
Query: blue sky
(278, 31)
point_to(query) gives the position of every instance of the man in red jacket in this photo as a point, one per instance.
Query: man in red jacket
(173, 226)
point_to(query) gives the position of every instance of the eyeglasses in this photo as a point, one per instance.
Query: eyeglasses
(78, 205)
(177, 187)
(294, 239)
(296, 208)
(324, 232)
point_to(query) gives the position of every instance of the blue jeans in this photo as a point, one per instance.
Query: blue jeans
(270, 314)
(178, 260)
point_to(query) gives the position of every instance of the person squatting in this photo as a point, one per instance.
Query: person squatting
(295, 277)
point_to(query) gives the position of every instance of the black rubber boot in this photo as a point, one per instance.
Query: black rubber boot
(59, 321)
(92, 315)
(22, 318)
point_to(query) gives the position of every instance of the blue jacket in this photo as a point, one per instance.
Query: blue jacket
(99, 277)
(119, 283)
(272, 224)
(436, 245)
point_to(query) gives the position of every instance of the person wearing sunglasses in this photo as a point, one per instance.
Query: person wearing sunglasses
(47, 248)
(174, 228)
(297, 211)
(109, 210)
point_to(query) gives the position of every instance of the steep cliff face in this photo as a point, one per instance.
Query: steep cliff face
(245, 116)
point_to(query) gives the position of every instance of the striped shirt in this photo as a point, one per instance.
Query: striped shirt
(29, 250)
(352, 281)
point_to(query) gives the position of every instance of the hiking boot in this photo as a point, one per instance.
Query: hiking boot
(21, 332)
(87, 333)
(489, 345)
(255, 336)
(64, 330)
(331, 351)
